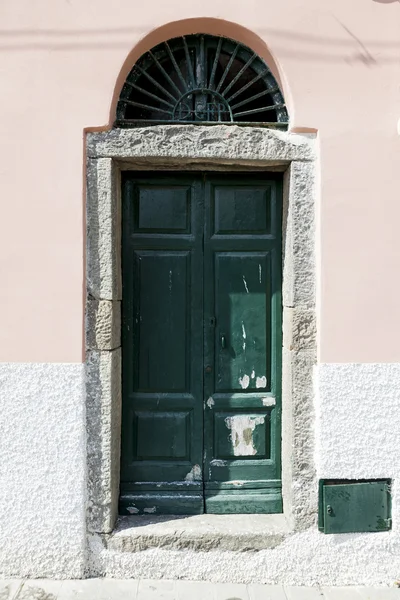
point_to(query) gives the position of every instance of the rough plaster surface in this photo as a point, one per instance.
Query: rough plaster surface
(358, 421)
(357, 408)
(42, 470)
(304, 558)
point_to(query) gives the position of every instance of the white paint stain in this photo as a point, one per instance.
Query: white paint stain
(244, 382)
(150, 510)
(259, 273)
(194, 474)
(170, 281)
(217, 462)
(245, 284)
(210, 402)
(244, 337)
(132, 510)
(261, 382)
(242, 427)
(253, 374)
(268, 401)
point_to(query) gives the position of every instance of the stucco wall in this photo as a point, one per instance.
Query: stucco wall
(42, 470)
(358, 421)
(61, 63)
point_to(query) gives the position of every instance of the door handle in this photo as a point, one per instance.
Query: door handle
(223, 341)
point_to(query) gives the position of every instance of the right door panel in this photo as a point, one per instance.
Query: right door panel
(242, 299)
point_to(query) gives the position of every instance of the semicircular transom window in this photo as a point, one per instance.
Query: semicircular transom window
(201, 79)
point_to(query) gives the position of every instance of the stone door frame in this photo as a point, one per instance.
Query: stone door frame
(196, 147)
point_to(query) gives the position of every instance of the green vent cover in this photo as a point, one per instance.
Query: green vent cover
(354, 506)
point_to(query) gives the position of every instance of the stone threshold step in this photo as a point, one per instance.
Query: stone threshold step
(122, 589)
(236, 533)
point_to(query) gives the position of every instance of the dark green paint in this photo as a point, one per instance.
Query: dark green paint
(201, 344)
(349, 507)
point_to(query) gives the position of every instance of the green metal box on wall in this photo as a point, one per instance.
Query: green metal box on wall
(354, 506)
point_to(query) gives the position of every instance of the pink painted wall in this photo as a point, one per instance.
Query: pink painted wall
(339, 62)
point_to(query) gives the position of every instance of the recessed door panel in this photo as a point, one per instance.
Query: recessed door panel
(241, 434)
(162, 311)
(242, 293)
(162, 435)
(242, 209)
(162, 208)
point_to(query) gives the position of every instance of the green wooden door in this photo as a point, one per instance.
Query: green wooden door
(201, 338)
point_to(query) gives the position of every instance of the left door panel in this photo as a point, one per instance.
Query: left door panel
(162, 341)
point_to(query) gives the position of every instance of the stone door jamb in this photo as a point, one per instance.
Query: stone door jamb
(192, 147)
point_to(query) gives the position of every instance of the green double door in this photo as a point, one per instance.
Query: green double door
(201, 331)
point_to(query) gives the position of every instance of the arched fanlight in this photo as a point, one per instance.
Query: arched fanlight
(201, 79)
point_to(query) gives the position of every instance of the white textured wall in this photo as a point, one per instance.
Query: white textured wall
(42, 470)
(43, 484)
(357, 436)
(358, 421)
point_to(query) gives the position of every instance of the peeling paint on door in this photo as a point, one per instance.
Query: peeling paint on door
(244, 337)
(132, 510)
(242, 427)
(217, 462)
(244, 382)
(261, 382)
(194, 474)
(268, 401)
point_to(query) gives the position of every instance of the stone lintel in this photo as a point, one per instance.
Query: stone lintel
(222, 142)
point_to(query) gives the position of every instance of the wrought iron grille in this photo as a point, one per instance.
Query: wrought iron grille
(201, 79)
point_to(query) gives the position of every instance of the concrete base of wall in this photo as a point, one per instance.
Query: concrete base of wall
(43, 492)
(305, 558)
(357, 422)
(42, 470)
